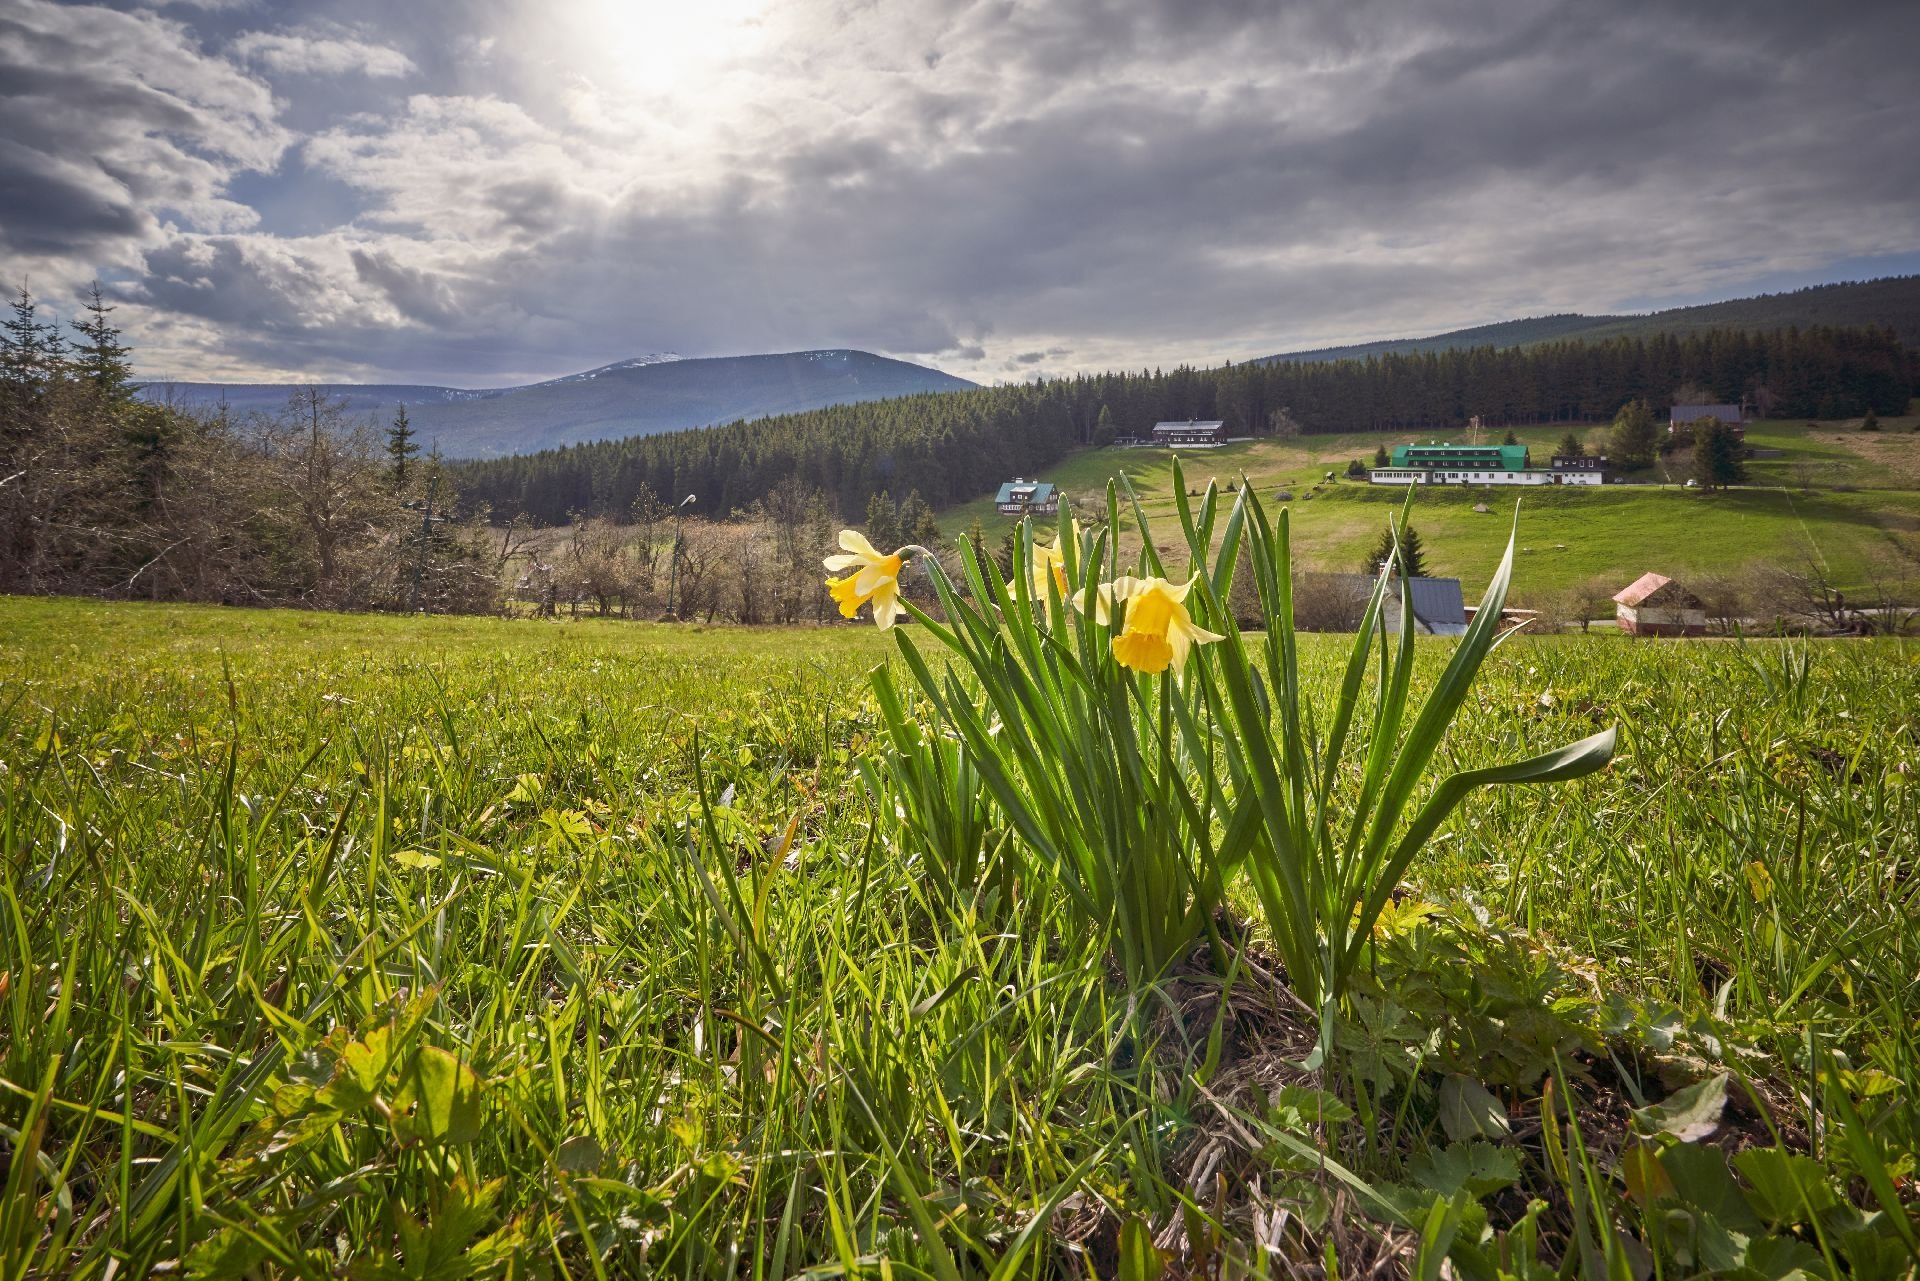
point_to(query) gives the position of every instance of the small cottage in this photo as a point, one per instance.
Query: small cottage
(1020, 497)
(1655, 605)
(1439, 604)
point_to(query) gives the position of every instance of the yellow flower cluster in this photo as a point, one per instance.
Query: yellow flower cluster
(1158, 632)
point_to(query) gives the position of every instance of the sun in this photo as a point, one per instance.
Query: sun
(663, 48)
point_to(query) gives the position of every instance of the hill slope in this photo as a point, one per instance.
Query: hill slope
(1893, 302)
(639, 397)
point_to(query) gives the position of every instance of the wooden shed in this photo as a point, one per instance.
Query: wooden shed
(1655, 605)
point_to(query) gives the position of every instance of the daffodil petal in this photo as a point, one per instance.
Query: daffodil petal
(841, 562)
(886, 606)
(854, 541)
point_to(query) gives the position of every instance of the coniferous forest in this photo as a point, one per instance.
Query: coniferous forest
(957, 445)
(102, 493)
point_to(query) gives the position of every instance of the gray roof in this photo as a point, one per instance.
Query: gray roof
(1694, 413)
(1437, 601)
(1203, 424)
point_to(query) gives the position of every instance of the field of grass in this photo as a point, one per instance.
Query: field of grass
(418, 948)
(1864, 503)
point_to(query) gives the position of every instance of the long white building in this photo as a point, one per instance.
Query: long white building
(1443, 464)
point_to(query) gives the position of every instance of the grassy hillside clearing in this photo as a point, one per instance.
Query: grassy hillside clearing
(340, 939)
(1864, 503)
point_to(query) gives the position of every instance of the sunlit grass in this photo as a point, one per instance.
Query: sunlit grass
(755, 1037)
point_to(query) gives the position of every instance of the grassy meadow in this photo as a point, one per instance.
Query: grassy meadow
(405, 948)
(1846, 495)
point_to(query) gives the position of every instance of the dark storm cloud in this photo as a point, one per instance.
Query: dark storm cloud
(1002, 185)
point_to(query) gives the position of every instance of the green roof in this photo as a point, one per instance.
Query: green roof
(1462, 457)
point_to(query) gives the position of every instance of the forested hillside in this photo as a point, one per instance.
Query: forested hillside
(956, 446)
(1893, 302)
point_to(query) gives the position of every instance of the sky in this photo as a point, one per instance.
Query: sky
(492, 192)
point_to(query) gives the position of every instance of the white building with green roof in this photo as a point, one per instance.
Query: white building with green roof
(1439, 463)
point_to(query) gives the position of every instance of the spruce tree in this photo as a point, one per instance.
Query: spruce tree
(1510, 438)
(1412, 556)
(883, 522)
(917, 524)
(1635, 439)
(1717, 455)
(103, 360)
(977, 535)
(31, 353)
(1009, 550)
(1381, 458)
(1571, 446)
(400, 449)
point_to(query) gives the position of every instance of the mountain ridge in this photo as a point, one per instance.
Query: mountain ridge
(639, 396)
(1893, 301)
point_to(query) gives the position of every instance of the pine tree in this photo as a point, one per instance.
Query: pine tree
(1009, 550)
(1870, 423)
(1510, 438)
(977, 535)
(1412, 556)
(31, 353)
(917, 524)
(1635, 439)
(1717, 455)
(400, 449)
(1103, 428)
(1571, 446)
(1381, 458)
(883, 522)
(103, 359)
(1356, 470)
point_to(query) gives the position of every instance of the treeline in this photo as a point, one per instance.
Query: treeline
(958, 445)
(104, 494)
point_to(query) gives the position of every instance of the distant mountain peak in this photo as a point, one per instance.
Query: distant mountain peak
(660, 391)
(618, 366)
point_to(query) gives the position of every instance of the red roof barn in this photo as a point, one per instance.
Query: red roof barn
(1655, 605)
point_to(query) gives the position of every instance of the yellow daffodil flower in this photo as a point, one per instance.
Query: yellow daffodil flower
(1048, 562)
(876, 583)
(1159, 632)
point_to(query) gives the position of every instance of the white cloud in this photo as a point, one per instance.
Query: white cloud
(296, 54)
(111, 125)
(1004, 185)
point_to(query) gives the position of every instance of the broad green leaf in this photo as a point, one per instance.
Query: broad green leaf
(1787, 1188)
(1475, 1168)
(1468, 1111)
(1701, 1178)
(228, 1255)
(360, 1072)
(439, 1100)
(1689, 1114)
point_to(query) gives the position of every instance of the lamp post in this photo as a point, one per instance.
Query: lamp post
(673, 557)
